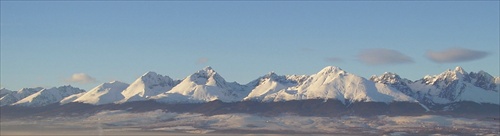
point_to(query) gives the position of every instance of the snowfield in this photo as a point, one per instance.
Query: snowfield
(164, 122)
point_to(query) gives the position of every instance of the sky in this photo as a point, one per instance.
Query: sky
(85, 43)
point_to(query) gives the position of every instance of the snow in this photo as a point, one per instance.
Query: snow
(332, 83)
(456, 85)
(450, 86)
(203, 86)
(265, 87)
(104, 93)
(48, 96)
(476, 94)
(18, 95)
(71, 98)
(147, 86)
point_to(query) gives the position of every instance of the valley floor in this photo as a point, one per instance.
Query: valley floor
(158, 122)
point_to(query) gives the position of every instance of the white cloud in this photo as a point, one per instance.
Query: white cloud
(382, 56)
(81, 78)
(202, 61)
(453, 55)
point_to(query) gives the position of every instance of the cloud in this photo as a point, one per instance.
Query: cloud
(81, 78)
(202, 61)
(453, 55)
(382, 56)
(333, 59)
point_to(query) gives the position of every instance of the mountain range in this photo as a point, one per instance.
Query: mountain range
(330, 83)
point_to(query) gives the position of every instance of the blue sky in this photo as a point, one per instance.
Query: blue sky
(86, 43)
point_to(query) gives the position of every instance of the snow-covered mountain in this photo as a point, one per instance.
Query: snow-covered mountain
(457, 85)
(335, 83)
(330, 83)
(148, 85)
(48, 96)
(203, 86)
(104, 93)
(484, 80)
(450, 86)
(265, 88)
(13, 97)
(4, 92)
(395, 81)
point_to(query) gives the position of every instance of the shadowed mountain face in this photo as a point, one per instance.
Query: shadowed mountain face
(451, 86)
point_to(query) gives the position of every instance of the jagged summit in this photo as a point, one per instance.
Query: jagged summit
(150, 74)
(460, 70)
(456, 85)
(265, 87)
(484, 80)
(203, 86)
(206, 76)
(449, 76)
(208, 68)
(48, 96)
(207, 71)
(331, 69)
(271, 75)
(329, 83)
(146, 86)
(457, 69)
(13, 97)
(395, 81)
(387, 77)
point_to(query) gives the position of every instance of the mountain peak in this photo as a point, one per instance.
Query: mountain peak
(206, 76)
(390, 74)
(48, 96)
(149, 73)
(331, 69)
(457, 73)
(459, 69)
(206, 72)
(208, 68)
(270, 74)
(148, 85)
(5, 89)
(4, 92)
(387, 77)
(203, 86)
